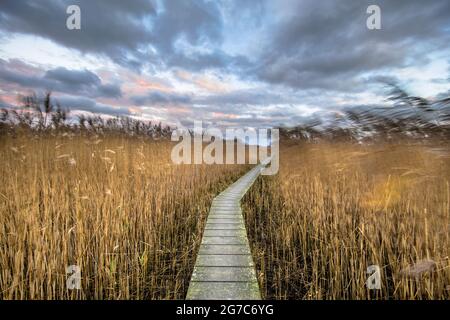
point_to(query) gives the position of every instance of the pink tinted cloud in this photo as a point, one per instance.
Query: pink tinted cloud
(9, 99)
(18, 66)
(221, 115)
(204, 82)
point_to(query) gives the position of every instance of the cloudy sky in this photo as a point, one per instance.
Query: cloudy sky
(227, 62)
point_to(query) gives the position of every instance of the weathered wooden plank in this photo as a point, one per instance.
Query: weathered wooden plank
(224, 274)
(225, 208)
(227, 291)
(234, 220)
(223, 240)
(226, 233)
(219, 211)
(221, 215)
(222, 260)
(224, 226)
(225, 211)
(224, 215)
(224, 249)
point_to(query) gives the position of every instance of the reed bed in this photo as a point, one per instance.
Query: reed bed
(337, 208)
(114, 205)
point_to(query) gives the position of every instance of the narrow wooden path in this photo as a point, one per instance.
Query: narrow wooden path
(224, 268)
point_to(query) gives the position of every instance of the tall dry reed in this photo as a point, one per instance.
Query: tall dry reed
(337, 208)
(114, 206)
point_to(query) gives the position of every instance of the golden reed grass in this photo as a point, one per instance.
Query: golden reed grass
(337, 208)
(114, 206)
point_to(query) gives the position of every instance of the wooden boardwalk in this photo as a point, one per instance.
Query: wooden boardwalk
(224, 268)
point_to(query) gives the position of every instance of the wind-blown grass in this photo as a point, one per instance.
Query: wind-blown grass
(337, 208)
(114, 205)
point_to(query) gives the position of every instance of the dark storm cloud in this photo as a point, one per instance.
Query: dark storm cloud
(82, 82)
(325, 44)
(244, 97)
(113, 28)
(72, 77)
(197, 24)
(443, 95)
(199, 61)
(300, 52)
(85, 104)
(197, 21)
(131, 33)
(160, 98)
(216, 102)
(318, 44)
